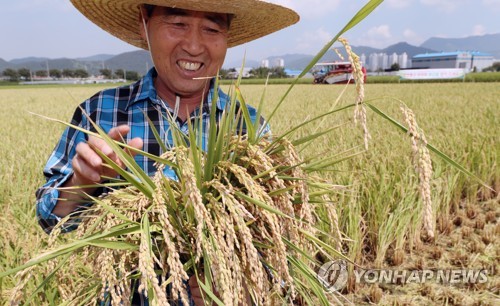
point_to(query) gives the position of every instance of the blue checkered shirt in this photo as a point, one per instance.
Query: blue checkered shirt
(112, 107)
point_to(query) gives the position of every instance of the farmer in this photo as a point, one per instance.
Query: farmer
(188, 40)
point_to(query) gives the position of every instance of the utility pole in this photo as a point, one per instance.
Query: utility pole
(48, 71)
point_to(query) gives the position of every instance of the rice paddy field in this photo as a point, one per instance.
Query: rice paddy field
(377, 202)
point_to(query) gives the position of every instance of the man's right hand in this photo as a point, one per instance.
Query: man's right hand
(89, 168)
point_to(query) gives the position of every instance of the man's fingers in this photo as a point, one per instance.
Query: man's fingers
(101, 145)
(116, 133)
(85, 173)
(136, 143)
(85, 152)
(119, 132)
(88, 150)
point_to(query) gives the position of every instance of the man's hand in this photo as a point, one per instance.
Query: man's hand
(89, 168)
(195, 289)
(197, 296)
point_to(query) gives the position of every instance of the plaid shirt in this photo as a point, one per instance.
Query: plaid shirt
(109, 108)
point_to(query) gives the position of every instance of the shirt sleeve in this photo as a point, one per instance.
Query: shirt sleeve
(57, 171)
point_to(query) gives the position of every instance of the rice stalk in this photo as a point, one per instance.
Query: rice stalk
(358, 75)
(423, 166)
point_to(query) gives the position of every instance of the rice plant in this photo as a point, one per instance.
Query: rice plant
(254, 214)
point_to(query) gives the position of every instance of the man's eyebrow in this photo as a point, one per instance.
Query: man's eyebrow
(218, 19)
(175, 11)
(213, 17)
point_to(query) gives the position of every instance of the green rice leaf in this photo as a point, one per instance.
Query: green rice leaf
(156, 134)
(121, 144)
(246, 116)
(127, 176)
(47, 279)
(439, 153)
(360, 15)
(115, 245)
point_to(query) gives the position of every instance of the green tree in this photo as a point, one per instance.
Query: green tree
(68, 73)
(41, 73)
(24, 73)
(11, 74)
(106, 73)
(119, 74)
(55, 73)
(132, 75)
(278, 72)
(260, 73)
(395, 67)
(81, 73)
(273, 73)
(223, 73)
(493, 68)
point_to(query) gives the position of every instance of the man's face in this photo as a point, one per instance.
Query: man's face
(186, 45)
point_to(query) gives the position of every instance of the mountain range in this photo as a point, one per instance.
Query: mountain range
(140, 60)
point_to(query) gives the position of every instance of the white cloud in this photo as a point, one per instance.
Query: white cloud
(310, 8)
(377, 37)
(447, 6)
(382, 31)
(412, 38)
(312, 41)
(32, 5)
(398, 3)
(492, 4)
(479, 29)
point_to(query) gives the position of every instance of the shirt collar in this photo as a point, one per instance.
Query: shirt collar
(145, 89)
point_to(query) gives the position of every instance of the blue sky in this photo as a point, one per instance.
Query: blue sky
(54, 29)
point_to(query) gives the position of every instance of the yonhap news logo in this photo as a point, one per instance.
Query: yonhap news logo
(334, 276)
(440, 276)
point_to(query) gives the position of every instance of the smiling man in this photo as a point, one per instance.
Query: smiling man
(188, 40)
(187, 47)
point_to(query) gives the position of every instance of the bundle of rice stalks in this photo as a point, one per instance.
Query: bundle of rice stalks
(248, 231)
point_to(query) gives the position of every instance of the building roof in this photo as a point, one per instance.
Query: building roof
(455, 53)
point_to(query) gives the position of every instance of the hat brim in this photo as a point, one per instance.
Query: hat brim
(252, 18)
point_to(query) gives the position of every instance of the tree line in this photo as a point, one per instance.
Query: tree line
(493, 68)
(257, 73)
(24, 74)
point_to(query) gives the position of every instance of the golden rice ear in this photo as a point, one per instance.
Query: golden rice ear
(423, 166)
(358, 75)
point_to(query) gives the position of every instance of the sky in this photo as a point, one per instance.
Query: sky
(55, 29)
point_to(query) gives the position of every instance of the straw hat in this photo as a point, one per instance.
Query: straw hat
(252, 18)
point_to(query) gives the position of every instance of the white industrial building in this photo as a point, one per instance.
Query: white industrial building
(362, 58)
(470, 60)
(276, 62)
(393, 59)
(403, 61)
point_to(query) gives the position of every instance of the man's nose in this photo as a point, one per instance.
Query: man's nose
(194, 42)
